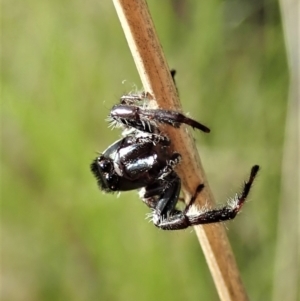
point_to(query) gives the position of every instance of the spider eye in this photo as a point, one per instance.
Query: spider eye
(112, 181)
(105, 165)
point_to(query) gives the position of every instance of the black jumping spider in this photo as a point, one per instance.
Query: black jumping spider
(143, 160)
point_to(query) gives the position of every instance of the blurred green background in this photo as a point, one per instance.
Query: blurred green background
(64, 64)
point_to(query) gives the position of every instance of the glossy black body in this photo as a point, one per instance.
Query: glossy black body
(132, 162)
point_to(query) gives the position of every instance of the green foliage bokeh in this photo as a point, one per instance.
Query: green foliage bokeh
(64, 64)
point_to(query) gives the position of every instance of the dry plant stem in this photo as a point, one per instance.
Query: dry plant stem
(155, 75)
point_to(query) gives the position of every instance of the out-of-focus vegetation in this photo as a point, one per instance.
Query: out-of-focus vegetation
(64, 64)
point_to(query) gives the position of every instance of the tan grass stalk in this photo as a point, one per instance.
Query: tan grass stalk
(155, 76)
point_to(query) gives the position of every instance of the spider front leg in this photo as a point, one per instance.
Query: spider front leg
(146, 119)
(188, 217)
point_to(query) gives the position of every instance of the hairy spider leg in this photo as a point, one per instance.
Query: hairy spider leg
(189, 217)
(153, 139)
(167, 201)
(145, 119)
(133, 99)
(171, 164)
(155, 192)
(173, 118)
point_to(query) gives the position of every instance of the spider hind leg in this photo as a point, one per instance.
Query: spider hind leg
(182, 219)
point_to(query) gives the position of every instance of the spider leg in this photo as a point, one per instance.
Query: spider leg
(174, 119)
(173, 73)
(133, 99)
(146, 119)
(171, 164)
(152, 194)
(166, 203)
(186, 218)
(152, 138)
(174, 219)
